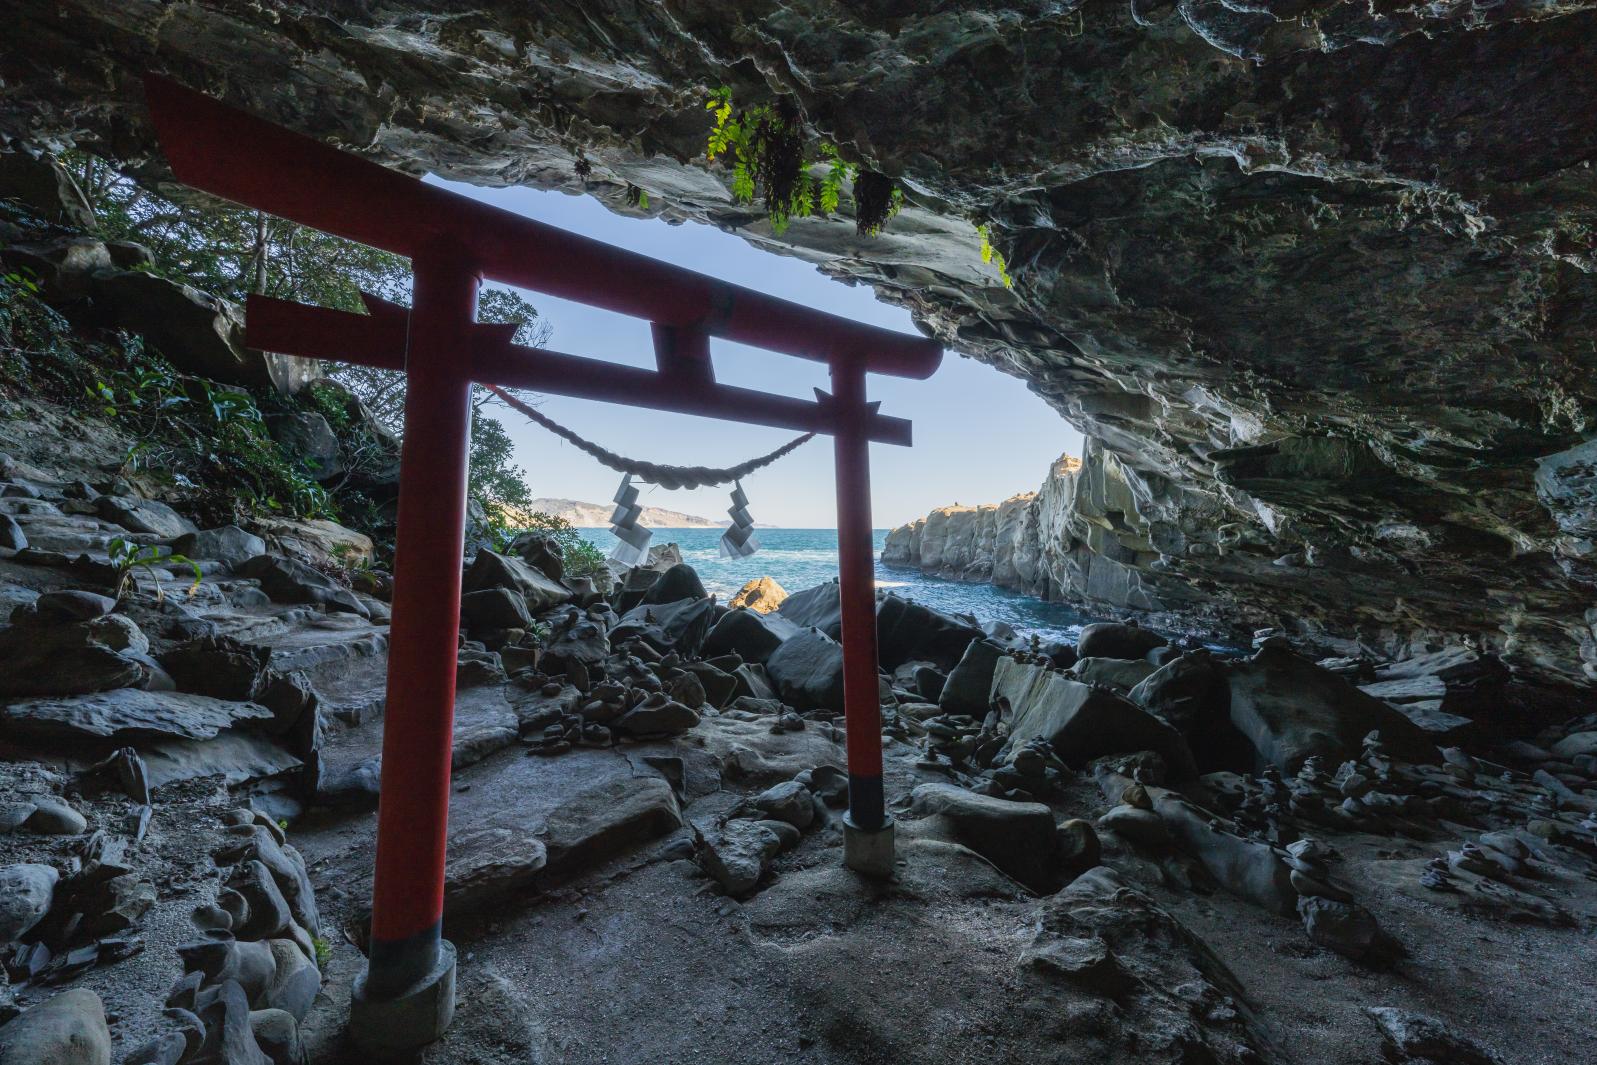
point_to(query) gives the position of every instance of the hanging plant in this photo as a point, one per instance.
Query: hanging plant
(765, 146)
(876, 199)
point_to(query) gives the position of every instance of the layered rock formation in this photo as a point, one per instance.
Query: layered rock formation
(1317, 278)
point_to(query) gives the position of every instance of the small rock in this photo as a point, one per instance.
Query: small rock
(1419, 1038)
(52, 817)
(1346, 928)
(737, 854)
(789, 802)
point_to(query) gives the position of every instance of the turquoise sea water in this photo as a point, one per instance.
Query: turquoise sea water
(802, 558)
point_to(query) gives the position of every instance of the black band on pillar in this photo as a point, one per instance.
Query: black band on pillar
(866, 807)
(394, 965)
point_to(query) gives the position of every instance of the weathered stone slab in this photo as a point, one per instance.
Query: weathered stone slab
(127, 714)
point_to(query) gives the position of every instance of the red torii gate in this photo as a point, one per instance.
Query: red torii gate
(406, 996)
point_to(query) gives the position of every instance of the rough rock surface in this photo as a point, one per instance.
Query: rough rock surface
(1316, 281)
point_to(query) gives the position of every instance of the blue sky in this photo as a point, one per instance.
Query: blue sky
(980, 436)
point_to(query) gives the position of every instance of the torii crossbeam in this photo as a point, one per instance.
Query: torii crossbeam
(406, 995)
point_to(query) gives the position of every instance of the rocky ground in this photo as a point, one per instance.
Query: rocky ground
(1122, 850)
(1359, 839)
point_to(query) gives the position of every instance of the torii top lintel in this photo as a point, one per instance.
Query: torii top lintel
(234, 155)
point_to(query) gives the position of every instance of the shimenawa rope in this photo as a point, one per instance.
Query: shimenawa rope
(668, 477)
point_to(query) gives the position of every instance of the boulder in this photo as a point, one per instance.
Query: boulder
(221, 960)
(1290, 709)
(267, 915)
(789, 802)
(317, 542)
(679, 582)
(607, 819)
(1415, 1037)
(1079, 848)
(492, 570)
(541, 551)
(127, 714)
(227, 544)
(719, 687)
(968, 688)
(25, 894)
(761, 595)
(929, 682)
(64, 607)
(1118, 673)
(54, 817)
(1081, 722)
(197, 332)
(819, 607)
(737, 854)
(295, 980)
(229, 1037)
(1187, 693)
(1113, 639)
(100, 654)
(905, 631)
(1190, 695)
(1019, 838)
(680, 626)
(46, 188)
(657, 715)
(749, 634)
(494, 608)
(807, 671)
(219, 666)
(288, 580)
(143, 516)
(66, 1029)
(1344, 927)
(276, 1034)
(752, 682)
(308, 437)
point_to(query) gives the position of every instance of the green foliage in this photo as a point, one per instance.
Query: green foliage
(991, 255)
(498, 487)
(508, 306)
(636, 197)
(127, 558)
(233, 251)
(324, 951)
(202, 436)
(331, 403)
(34, 336)
(764, 145)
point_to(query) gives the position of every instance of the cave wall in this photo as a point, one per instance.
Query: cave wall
(1316, 279)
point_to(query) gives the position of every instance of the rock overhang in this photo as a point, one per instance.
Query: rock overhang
(1314, 229)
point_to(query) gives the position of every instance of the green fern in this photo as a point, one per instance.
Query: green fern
(763, 146)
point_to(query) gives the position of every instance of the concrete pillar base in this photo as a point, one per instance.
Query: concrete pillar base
(389, 1027)
(869, 852)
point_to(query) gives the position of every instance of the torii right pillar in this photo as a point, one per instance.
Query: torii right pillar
(867, 830)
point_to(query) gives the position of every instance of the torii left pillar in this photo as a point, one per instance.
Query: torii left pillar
(406, 997)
